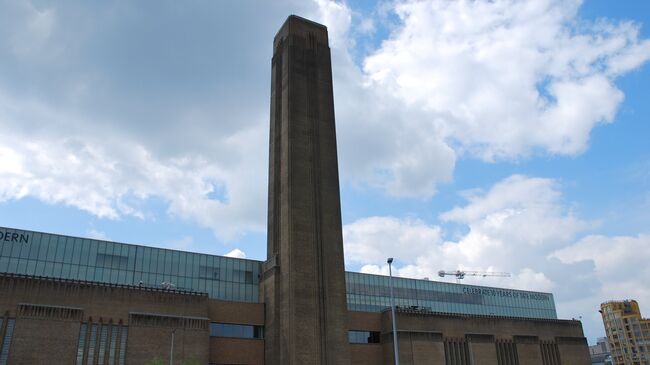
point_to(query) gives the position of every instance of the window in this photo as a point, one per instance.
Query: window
(363, 337)
(236, 330)
(81, 344)
(6, 342)
(506, 352)
(112, 261)
(125, 333)
(102, 345)
(112, 348)
(207, 272)
(457, 352)
(242, 276)
(91, 345)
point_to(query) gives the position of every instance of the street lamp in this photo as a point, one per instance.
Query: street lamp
(171, 350)
(392, 310)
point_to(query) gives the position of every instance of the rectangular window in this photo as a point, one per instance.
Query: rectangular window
(457, 352)
(102, 345)
(91, 345)
(207, 272)
(6, 341)
(81, 344)
(112, 261)
(507, 353)
(236, 330)
(363, 337)
(111, 351)
(125, 333)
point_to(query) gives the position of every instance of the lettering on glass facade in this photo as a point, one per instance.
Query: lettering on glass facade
(14, 237)
(493, 292)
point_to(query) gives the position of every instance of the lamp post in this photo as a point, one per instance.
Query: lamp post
(171, 350)
(392, 309)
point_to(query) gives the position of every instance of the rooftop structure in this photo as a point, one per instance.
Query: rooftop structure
(234, 279)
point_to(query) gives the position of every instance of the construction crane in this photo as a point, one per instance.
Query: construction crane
(460, 274)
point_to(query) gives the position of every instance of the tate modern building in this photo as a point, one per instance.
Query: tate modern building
(75, 300)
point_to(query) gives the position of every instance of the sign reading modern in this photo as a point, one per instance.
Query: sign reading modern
(14, 237)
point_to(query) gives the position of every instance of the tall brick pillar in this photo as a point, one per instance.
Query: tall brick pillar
(304, 277)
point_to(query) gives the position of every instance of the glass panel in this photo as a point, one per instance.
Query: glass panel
(112, 261)
(85, 252)
(91, 345)
(81, 344)
(175, 262)
(76, 251)
(363, 337)
(236, 330)
(42, 254)
(111, 353)
(6, 342)
(60, 249)
(102, 345)
(123, 337)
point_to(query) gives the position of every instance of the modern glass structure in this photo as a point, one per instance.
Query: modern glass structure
(371, 293)
(52, 255)
(233, 279)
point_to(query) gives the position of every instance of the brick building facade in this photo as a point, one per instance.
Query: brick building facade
(73, 300)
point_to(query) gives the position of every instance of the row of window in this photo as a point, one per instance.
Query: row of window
(368, 303)
(215, 288)
(457, 350)
(78, 251)
(237, 279)
(102, 344)
(377, 285)
(112, 263)
(372, 293)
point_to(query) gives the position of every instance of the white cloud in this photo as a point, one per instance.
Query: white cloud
(519, 225)
(337, 16)
(616, 268)
(112, 177)
(383, 143)
(99, 235)
(371, 240)
(519, 209)
(620, 264)
(509, 227)
(473, 78)
(367, 26)
(496, 84)
(237, 253)
(105, 129)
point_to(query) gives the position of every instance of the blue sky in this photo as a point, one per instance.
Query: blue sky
(506, 135)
